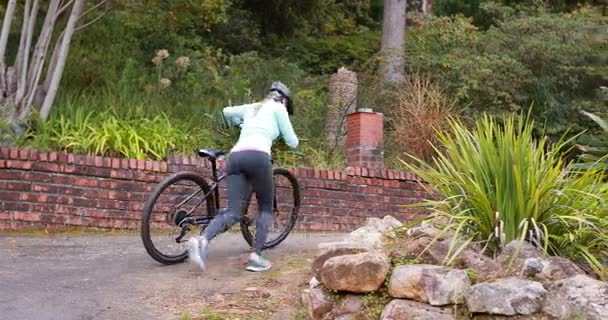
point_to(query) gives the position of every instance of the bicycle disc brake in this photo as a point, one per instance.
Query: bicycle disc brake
(179, 216)
(180, 220)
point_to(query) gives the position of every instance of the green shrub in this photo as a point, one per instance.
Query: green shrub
(546, 60)
(499, 184)
(137, 136)
(483, 11)
(239, 34)
(488, 81)
(325, 55)
(200, 122)
(558, 52)
(253, 74)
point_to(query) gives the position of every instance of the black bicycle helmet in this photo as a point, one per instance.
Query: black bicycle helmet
(282, 89)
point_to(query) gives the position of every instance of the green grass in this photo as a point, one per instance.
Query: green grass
(374, 303)
(300, 314)
(261, 312)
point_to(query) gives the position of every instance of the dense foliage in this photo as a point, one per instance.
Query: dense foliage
(547, 62)
(475, 8)
(520, 55)
(499, 184)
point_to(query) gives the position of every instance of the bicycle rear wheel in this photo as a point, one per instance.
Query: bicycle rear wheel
(285, 210)
(165, 226)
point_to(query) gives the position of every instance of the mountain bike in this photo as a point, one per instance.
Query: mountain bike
(185, 200)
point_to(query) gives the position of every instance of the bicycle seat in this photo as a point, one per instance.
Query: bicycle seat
(211, 154)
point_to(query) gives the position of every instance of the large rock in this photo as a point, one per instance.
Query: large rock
(351, 317)
(578, 297)
(350, 306)
(425, 249)
(519, 253)
(362, 272)
(425, 229)
(485, 268)
(374, 232)
(532, 267)
(410, 247)
(334, 249)
(511, 296)
(435, 285)
(558, 268)
(384, 225)
(317, 302)
(411, 310)
(438, 252)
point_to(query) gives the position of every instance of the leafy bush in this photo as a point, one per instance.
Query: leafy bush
(213, 79)
(312, 17)
(548, 61)
(92, 64)
(253, 74)
(498, 184)
(325, 55)
(482, 11)
(557, 51)
(452, 7)
(7, 135)
(228, 81)
(239, 34)
(136, 136)
(488, 81)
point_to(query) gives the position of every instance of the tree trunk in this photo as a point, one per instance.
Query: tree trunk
(6, 28)
(22, 63)
(5, 73)
(427, 7)
(342, 101)
(39, 57)
(393, 40)
(61, 58)
(20, 85)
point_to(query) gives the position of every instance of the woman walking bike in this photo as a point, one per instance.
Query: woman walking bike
(249, 168)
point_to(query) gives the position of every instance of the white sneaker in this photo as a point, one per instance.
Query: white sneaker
(197, 251)
(257, 263)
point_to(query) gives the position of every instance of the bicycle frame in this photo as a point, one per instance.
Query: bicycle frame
(213, 188)
(191, 189)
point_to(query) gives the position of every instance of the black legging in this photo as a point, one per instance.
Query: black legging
(246, 169)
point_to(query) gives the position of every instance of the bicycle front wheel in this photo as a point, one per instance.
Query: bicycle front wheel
(285, 210)
(166, 224)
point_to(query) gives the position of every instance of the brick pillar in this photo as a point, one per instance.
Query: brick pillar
(364, 139)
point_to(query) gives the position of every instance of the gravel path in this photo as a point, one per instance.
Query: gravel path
(112, 277)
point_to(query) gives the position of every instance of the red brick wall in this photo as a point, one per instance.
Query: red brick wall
(54, 190)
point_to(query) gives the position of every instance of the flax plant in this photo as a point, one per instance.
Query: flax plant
(498, 184)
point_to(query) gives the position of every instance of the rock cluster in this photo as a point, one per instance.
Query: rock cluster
(519, 283)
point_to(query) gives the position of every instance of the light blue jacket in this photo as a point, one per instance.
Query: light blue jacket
(261, 123)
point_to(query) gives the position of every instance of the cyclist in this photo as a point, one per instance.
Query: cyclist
(249, 166)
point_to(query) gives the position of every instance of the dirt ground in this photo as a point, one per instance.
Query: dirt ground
(112, 277)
